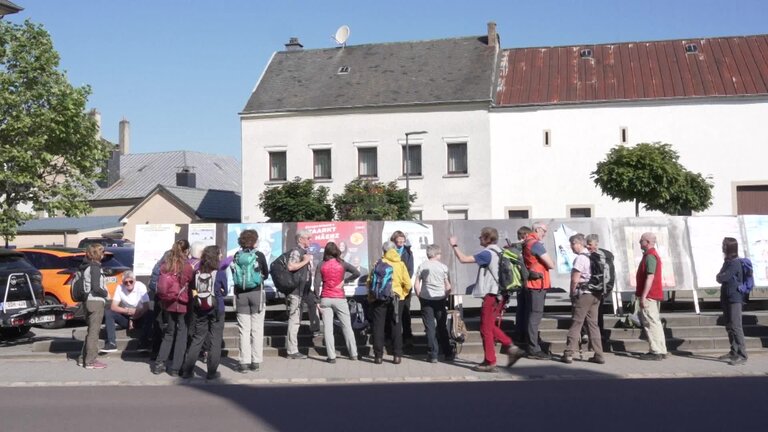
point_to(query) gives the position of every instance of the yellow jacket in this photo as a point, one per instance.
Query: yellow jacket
(401, 282)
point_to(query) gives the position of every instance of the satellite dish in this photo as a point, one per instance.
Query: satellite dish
(342, 34)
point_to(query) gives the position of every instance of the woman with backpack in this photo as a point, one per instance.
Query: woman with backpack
(329, 277)
(173, 294)
(732, 300)
(249, 271)
(209, 287)
(94, 286)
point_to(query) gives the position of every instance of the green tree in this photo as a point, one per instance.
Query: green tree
(296, 200)
(650, 173)
(50, 155)
(370, 200)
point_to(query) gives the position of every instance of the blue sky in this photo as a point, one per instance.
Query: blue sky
(181, 70)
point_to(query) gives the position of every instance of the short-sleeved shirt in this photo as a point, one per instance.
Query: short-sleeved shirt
(650, 264)
(433, 275)
(132, 299)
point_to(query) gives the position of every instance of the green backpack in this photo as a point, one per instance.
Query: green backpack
(246, 273)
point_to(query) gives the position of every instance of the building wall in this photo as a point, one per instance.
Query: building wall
(345, 131)
(157, 210)
(723, 139)
(117, 210)
(60, 239)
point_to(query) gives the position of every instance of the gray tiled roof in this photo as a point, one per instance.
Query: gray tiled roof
(436, 71)
(140, 173)
(209, 204)
(81, 224)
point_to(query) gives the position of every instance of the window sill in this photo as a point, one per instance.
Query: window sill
(374, 178)
(455, 175)
(412, 177)
(275, 182)
(323, 180)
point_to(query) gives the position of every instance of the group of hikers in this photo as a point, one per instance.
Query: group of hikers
(189, 285)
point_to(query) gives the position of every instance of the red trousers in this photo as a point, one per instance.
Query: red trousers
(490, 331)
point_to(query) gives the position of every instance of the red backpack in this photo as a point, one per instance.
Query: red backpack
(169, 289)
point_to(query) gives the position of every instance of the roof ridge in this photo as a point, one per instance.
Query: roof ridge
(381, 43)
(634, 42)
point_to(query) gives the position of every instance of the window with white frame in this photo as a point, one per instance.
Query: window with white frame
(457, 214)
(321, 165)
(367, 162)
(580, 212)
(412, 160)
(417, 214)
(518, 214)
(278, 170)
(457, 158)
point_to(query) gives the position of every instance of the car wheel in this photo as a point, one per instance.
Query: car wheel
(51, 300)
(14, 332)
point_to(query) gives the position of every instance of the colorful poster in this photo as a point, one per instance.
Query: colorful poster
(634, 253)
(563, 253)
(352, 240)
(418, 235)
(706, 237)
(270, 244)
(756, 230)
(202, 233)
(152, 240)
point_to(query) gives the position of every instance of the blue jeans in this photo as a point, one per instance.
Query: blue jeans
(113, 319)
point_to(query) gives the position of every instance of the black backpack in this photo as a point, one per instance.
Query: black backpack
(599, 274)
(286, 281)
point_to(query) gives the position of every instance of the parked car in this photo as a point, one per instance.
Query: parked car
(106, 242)
(123, 254)
(58, 266)
(21, 292)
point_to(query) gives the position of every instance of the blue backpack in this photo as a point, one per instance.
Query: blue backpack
(748, 276)
(381, 281)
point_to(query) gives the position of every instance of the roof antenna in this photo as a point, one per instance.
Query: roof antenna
(341, 36)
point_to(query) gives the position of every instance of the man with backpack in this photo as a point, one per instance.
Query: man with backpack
(539, 263)
(388, 286)
(586, 301)
(487, 288)
(299, 261)
(249, 270)
(607, 275)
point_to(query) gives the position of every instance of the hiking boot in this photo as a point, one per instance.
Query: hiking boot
(109, 347)
(187, 375)
(330, 360)
(567, 357)
(158, 368)
(539, 355)
(432, 359)
(514, 354)
(651, 357)
(597, 359)
(450, 357)
(482, 367)
(99, 365)
(727, 357)
(737, 361)
(397, 359)
(297, 356)
(173, 372)
(242, 368)
(378, 359)
(213, 376)
(254, 367)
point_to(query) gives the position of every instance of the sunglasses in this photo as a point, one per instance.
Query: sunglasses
(128, 282)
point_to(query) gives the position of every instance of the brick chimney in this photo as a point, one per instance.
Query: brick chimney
(493, 37)
(293, 44)
(96, 115)
(125, 136)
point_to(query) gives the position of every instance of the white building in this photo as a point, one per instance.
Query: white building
(510, 133)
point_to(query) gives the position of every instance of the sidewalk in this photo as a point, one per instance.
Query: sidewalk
(135, 371)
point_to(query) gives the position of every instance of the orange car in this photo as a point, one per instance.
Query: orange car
(58, 265)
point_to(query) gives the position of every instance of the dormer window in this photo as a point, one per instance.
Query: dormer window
(691, 48)
(343, 70)
(586, 53)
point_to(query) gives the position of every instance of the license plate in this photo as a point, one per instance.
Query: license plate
(111, 279)
(42, 319)
(15, 305)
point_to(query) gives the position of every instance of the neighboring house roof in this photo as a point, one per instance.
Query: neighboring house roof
(140, 173)
(385, 74)
(206, 204)
(71, 225)
(722, 66)
(8, 7)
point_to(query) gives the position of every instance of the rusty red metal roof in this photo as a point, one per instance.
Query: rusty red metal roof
(724, 66)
